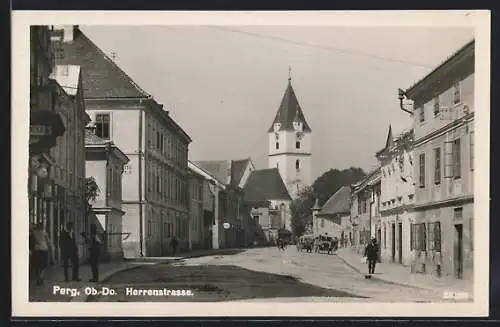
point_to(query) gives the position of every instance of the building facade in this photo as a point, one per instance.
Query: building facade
(69, 154)
(212, 224)
(397, 198)
(364, 212)
(104, 162)
(196, 210)
(46, 129)
(330, 219)
(289, 148)
(268, 198)
(443, 112)
(154, 187)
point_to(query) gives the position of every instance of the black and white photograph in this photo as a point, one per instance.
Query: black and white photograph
(251, 163)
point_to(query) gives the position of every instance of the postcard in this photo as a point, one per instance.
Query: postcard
(329, 163)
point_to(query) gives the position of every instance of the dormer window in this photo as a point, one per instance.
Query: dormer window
(277, 127)
(297, 125)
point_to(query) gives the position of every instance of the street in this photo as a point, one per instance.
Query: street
(262, 274)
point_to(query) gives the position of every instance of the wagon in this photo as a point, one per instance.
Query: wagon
(305, 242)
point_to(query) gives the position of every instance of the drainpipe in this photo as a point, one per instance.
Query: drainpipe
(141, 229)
(401, 97)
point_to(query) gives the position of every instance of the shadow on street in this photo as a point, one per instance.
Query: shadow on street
(211, 283)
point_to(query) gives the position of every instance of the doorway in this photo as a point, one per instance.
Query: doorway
(379, 242)
(458, 251)
(393, 242)
(400, 243)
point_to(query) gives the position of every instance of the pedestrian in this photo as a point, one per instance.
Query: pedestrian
(94, 243)
(371, 254)
(69, 251)
(174, 244)
(40, 248)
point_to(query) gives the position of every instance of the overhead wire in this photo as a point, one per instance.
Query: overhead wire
(322, 47)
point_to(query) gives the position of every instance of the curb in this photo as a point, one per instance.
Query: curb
(356, 269)
(106, 277)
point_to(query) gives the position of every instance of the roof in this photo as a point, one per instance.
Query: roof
(101, 76)
(238, 168)
(265, 184)
(289, 111)
(219, 169)
(435, 80)
(204, 173)
(92, 139)
(371, 178)
(338, 202)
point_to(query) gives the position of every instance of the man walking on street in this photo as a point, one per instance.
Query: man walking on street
(371, 253)
(69, 250)
(174, 243)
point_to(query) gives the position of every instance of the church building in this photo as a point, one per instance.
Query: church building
(290, 144)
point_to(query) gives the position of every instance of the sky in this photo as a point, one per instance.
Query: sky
(224, 84)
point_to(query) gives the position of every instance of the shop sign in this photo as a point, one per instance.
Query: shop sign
(40, 130)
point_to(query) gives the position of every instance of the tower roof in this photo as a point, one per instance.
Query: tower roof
(289, 111)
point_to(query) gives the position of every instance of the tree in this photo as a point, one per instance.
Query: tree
(322, 189)
(91, 189)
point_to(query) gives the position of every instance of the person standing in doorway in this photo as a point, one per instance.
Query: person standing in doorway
(174, 244)
(371, 253)
(69, 251)
(40, 248)
(95, 252)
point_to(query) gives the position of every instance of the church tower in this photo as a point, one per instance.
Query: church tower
(290, 144)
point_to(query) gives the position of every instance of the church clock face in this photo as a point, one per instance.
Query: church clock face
(277, 136)
(299, 135)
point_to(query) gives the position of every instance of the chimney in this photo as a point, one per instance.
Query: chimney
(68, 33)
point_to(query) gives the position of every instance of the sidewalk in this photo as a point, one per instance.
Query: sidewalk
(185, 255)
(54, 276)
(400, 275)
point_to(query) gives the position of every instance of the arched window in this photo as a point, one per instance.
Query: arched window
(297, 164)
(277, 145)
(297, 144)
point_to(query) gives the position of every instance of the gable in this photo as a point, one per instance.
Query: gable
(101, 76)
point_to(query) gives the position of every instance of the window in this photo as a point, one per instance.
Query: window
(456, 93)
(297, 164)
(436, 105)
(159, 141)
(297, 145)
(102, 122)
(458, 213)
(322, 223)
(422, 170)
(456, 158)
(422, 114)
(471, 155)
(385, 237)
(437, 166)
(417, 237)
(435, 236)
(277, 145)
(149, 228)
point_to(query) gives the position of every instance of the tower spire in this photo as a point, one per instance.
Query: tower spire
(289, 73)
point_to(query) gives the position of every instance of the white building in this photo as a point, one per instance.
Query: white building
(155, 194)
(290, 144)
(104, 161)
(397, 197)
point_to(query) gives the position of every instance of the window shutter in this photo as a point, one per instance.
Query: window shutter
(448, 159)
